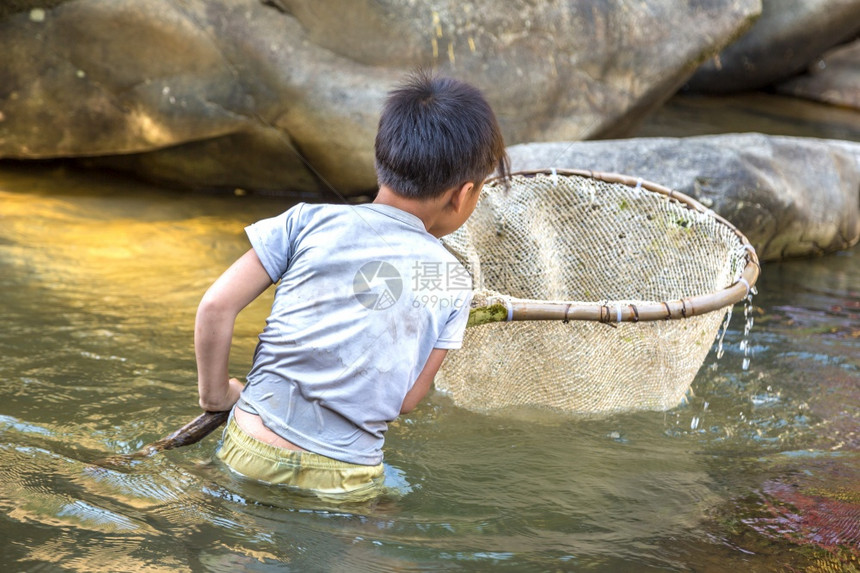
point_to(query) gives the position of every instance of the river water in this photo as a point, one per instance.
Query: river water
(100, 280)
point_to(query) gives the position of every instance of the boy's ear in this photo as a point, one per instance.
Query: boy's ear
(460, 195)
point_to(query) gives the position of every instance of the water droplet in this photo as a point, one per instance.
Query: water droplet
(722, 333)
(748, 324)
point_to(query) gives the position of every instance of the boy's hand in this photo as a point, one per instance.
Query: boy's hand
(216, 401)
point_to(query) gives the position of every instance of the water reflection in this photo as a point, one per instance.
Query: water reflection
(100, 281)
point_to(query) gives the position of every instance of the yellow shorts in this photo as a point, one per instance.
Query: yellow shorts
(314, 473)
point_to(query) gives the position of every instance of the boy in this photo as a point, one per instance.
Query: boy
(367, 305)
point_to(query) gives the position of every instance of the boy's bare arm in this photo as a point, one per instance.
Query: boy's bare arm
(424, 381)
(240, 284)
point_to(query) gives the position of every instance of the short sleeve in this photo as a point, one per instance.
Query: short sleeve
(451, 337)
(273, 240)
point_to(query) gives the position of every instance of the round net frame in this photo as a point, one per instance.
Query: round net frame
(594, 293)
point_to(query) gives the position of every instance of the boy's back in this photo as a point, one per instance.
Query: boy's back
(365, 294)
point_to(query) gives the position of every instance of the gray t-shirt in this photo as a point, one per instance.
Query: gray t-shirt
(364, 294)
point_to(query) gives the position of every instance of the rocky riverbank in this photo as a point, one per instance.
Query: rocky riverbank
(283, 95)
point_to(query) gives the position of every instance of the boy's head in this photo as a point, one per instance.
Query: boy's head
(436, 133)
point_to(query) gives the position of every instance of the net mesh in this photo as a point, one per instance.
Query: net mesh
(566, 237)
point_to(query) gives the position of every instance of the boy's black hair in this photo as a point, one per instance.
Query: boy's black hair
(436, 133)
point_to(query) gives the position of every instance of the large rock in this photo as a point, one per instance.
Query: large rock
(284, 94)
(788, 38)
(791, 197)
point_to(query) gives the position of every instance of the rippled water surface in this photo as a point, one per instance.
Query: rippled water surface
(100, 281)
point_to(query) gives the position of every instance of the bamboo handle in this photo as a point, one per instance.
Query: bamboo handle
(502, 309)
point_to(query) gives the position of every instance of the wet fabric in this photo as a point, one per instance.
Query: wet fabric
(308, 471)
(364, 295)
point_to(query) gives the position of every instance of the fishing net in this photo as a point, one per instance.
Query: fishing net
(610, 292)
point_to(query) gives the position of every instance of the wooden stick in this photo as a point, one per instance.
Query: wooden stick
(190, 433)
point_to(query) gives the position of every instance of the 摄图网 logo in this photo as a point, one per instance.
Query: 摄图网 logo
(377, 285)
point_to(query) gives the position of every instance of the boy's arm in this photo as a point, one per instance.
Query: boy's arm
(240, 284)
(425, 379)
